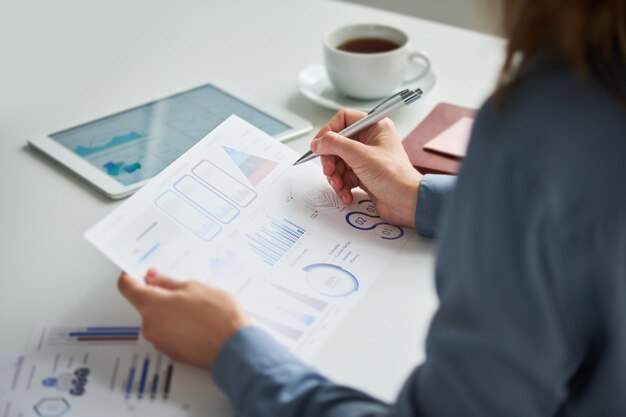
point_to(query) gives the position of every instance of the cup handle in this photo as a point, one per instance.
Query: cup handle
(414, 55)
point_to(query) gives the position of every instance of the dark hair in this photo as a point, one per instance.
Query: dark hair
(590, 35)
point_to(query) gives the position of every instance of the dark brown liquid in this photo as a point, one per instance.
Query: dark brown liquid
(368, 45)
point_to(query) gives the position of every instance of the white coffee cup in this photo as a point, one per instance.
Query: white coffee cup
(371, 75)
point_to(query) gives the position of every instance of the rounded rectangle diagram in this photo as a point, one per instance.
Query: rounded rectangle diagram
(206, 199)
(224, 183)
(187, 215)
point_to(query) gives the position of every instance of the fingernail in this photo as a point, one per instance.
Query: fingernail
(152, 273)
(332, 182)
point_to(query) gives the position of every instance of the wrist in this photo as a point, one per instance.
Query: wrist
(233, 325)
(411, 193)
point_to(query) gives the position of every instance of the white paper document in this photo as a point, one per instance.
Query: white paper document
(233, 212)
(102, 371)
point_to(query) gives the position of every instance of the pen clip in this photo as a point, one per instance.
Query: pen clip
(401, 94)
(410, 96)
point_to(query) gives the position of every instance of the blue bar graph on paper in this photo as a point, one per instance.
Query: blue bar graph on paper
(168, 381)
(144, 375)
(155, 384)
(298, 228)
(93, 335)
(113, 329)
(301, 317)
(274, 239)
(129, 383)
(148, 253)
(102, 331)
(155, 376)
(103, 334)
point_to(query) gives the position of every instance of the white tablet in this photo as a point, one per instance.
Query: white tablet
(121, 152)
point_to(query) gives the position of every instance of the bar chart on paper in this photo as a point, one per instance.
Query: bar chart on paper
(290, 317)
(101, 370)
(150, 376)
(85, 336)
(274, 239)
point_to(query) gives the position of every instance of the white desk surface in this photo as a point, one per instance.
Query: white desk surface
(69, 61)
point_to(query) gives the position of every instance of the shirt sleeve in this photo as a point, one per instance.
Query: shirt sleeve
(262, 378)
(432, 193)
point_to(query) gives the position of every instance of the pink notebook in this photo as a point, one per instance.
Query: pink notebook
(438, 121)
(454, 140)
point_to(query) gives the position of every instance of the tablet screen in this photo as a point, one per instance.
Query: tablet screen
(137, 144)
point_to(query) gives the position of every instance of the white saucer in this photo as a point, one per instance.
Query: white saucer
(315, 85)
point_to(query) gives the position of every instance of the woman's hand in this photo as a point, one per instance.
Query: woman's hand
(375, 161)
(188, 321)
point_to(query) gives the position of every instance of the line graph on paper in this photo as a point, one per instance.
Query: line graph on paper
(316, 196)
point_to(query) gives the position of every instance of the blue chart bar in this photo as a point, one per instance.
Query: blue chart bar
(131, 377)
(302, 317)
(85, 334)
(105, 331)
(93, 335)
(18, 370)
(274, 239)
(144, 375)
(97, 335)
(113, 329)
(155, 377)
(155, 385)
(148, 253)
(168, 381)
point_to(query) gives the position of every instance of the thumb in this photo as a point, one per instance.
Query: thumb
(331, 143)
(154, 278)
(131, 289)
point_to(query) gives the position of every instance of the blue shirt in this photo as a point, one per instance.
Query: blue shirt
(531, 275)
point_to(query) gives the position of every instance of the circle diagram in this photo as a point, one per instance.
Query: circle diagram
(331, 280)
(364, 221)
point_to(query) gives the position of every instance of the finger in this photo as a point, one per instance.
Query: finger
(351, 151)
(131, 289)
(342, 119)
(340, 167)
(350, 180)
(155, 279)
(328, 164)
(336, 180)
(346, 196)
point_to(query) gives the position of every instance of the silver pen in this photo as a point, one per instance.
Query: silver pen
(378, 113)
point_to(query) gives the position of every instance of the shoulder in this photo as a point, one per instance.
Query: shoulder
(564, 135)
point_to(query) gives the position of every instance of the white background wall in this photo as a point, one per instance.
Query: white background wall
(480, 15)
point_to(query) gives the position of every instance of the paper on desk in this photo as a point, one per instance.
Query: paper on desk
(102, 371)
(234, 213)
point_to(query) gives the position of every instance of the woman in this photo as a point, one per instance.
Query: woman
(531, 269)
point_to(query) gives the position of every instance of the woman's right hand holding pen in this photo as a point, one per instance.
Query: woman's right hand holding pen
(373, 160)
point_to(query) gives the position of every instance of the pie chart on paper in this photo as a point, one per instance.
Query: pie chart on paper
(331, 280)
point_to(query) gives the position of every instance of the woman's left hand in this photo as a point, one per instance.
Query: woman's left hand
(188, 321)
